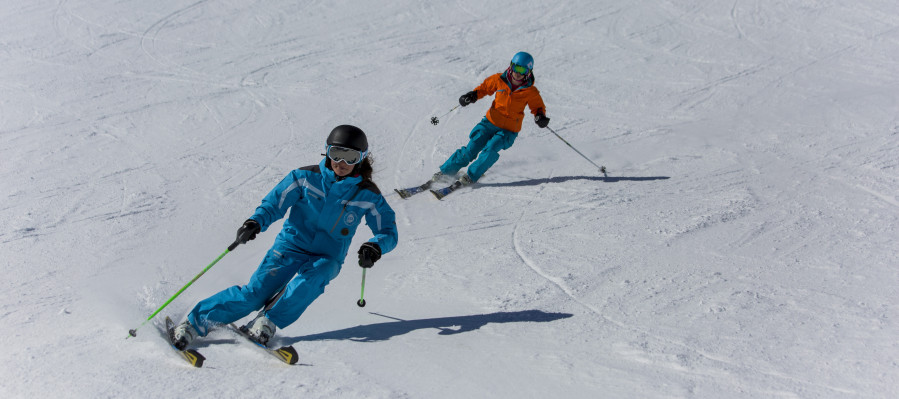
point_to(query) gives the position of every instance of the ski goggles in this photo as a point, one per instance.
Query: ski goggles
(346, 155)
(520, 69)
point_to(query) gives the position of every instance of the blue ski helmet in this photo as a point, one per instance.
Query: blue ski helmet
(524, 60)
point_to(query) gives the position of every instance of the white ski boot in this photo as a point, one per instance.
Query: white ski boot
(183, 335)
(261, 329)
(463, 181)
(437, 176)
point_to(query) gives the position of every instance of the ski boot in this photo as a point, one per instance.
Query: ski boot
(443, 192)
(463, 181)
(183, 335)
(437, 176)
(261, 329)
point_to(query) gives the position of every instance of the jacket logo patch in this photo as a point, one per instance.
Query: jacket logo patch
(350, 219)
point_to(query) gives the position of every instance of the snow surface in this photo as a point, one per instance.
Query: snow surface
(745, 245)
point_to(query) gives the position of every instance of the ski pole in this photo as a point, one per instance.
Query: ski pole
(361, 301)
(434, 119)
(601, 168)
(133, 332)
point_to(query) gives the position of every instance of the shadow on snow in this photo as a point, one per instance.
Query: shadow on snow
(446, 325)
(562, 179)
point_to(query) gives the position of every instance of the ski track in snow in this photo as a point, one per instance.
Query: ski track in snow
(718, 361)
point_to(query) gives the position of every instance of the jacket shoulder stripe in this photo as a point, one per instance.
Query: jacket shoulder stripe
(287, 191)
(302, 182)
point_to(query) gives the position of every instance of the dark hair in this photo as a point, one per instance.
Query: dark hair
(366, 170)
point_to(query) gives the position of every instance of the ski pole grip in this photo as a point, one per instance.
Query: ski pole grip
(242, 238)
(233, 245)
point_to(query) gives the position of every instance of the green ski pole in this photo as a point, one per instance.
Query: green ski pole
(361, 301)
(133, 332)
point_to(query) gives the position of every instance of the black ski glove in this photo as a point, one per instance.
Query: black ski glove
(541, 120)
(468, 98)
(248, 231)
(369, 253)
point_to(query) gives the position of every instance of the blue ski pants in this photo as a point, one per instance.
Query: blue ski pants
(304, 276)
(485, 142)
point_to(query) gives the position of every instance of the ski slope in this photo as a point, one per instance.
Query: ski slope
(745, 244)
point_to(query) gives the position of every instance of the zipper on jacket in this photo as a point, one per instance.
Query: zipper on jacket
(343, 210)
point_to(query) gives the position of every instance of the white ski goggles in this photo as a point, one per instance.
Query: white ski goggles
(346, 155)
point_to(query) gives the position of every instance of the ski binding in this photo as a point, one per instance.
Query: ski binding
(286, 354)
(191, 355)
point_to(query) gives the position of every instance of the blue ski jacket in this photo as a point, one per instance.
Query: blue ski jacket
(325, 212)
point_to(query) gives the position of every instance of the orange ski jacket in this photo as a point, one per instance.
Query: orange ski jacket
(507, 110)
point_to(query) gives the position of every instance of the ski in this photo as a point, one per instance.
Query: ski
(286, 354)
(191, 355)
(408, 192)
(443, 192)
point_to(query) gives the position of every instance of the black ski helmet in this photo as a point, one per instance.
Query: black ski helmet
(348, 136)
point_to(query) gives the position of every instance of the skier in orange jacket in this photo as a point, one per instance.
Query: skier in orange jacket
(514, 89)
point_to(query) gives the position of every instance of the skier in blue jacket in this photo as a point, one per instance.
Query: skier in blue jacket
(327, 202)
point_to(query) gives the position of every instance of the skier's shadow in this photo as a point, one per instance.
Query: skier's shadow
(562, 179)
(446, 326)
